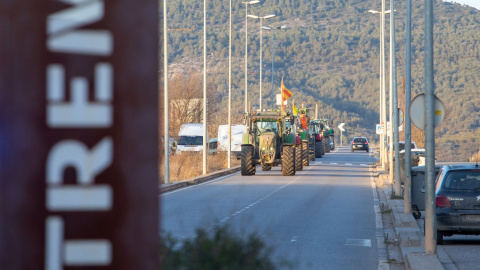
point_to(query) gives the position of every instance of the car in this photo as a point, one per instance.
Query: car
(457, 199)
(212, 146)
(360, 143)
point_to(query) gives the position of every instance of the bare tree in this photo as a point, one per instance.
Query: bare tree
(186, 101)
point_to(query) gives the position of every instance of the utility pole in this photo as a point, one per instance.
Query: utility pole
(430, 226)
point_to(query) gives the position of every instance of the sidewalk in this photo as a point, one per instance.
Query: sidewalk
(410, 236)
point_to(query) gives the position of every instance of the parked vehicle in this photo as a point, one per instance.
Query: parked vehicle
(236, 140)
(458, 200)
(360, 143)
(190, 138)
(212, 146)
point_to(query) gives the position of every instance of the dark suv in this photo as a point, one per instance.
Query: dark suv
(360, 143)
(458, 200)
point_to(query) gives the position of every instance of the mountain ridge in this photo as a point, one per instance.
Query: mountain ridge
(329, 57)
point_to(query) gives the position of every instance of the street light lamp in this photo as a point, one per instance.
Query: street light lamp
(382, 81)
(246, 49)
(261, 22)
(273, 52)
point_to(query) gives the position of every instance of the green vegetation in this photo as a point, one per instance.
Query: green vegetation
(329, 56)
(219, 250)
(396, 197)
(387, 211)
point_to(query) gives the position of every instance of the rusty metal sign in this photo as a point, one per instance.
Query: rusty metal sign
(78, 134)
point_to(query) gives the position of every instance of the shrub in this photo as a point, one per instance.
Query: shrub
(218, 250)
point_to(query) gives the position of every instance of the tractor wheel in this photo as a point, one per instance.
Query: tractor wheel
(266, 167)
(298, 158)
(248, 167)
(305, 158)
(288, 161)
(318, 149)
(327, 147)
(312, 152)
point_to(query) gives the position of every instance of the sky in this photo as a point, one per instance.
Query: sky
(472, 3)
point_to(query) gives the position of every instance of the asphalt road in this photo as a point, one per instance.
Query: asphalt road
(321, 218)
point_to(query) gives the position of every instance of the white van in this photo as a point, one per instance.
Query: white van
(190, 138)
(237, 134)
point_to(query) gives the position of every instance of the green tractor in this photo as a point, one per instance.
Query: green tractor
(308, 143)
(270, 140)
(326, 136)
(315, 129)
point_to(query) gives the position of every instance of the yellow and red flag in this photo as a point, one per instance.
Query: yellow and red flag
(286, 94)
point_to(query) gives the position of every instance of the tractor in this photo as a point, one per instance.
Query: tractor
(270, 140)
(315, 129)
(308, 146)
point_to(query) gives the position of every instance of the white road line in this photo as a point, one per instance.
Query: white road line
(348, 164)
(256, 202)
(334, 163)
(359, 242)
(381, 245)
(363, 164)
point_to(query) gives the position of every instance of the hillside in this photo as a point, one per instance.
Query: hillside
(329, 56)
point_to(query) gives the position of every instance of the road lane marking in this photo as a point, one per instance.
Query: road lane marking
(359, 242)
(333, 163)
(348, 164)
(381, 245)
(256, 202)
(363, 164)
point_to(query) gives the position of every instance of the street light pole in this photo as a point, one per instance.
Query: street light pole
(395, 122)
(230, 89)
(273, 53)
(391, 85)
(384, 99)
(205, 131)
(430, 207)
(165, 97)
(246, 50)
(408, 126)
(261, 60)
(382, 80)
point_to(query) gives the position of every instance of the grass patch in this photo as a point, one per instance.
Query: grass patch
(396, 197)
(386, 211)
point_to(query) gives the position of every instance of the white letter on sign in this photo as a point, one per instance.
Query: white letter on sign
(79, 112)
(87, 164)
(64, 38)
(60, 252)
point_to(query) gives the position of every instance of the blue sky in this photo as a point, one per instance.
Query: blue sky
(472, 3)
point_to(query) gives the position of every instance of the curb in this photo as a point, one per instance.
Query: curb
(410, 237)
(196, 180)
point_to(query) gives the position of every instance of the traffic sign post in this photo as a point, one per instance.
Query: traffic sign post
(341, 133)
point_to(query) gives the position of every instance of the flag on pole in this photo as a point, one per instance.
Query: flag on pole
(286, 94)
